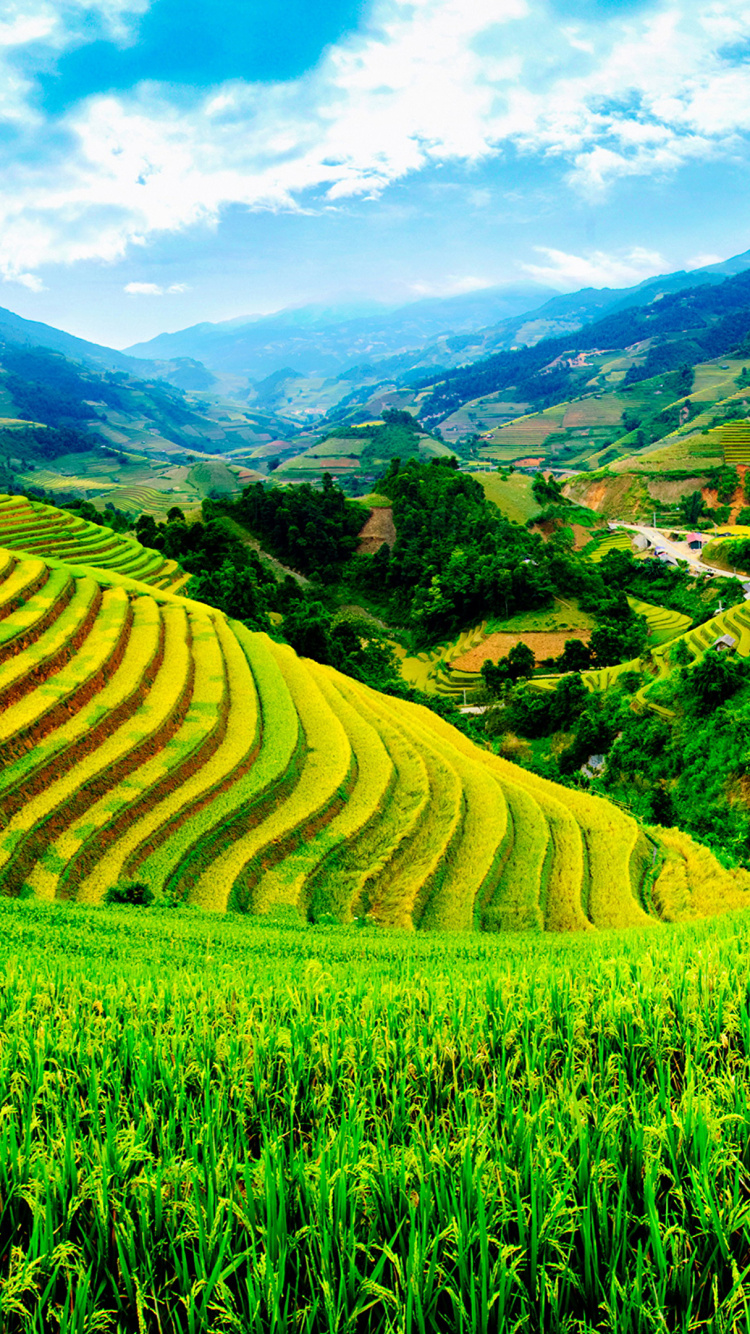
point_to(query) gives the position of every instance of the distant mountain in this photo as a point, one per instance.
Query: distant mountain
(325, 340)
(681, 326)
(328, 341)
(183, 372)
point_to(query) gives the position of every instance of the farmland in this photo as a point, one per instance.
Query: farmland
(227, 1125)
(146, 737)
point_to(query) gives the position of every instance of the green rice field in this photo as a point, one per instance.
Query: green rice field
(210, 1124)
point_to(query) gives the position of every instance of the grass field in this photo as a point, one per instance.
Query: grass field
(512, 495)
(215, 1125)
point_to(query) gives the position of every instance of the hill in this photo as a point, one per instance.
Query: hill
(145, 736)
(76, 430)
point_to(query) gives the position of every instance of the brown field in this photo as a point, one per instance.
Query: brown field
(497, 646)
(379, 528)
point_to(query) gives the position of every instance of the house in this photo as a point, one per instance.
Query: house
(726, 644)
(697, 541)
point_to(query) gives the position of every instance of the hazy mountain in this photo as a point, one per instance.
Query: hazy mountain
(183, 372)
(325, 340)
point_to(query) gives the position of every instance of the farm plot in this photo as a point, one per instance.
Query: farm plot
(29, 526)
(146, 737)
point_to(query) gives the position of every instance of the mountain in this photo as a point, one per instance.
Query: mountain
(685, 326)
(183, 372)
(325, 340)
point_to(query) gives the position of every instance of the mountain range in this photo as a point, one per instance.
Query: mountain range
(324, 342)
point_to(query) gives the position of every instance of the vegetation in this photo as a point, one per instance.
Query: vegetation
(686, 327)
(146, 739)
(369, 1096)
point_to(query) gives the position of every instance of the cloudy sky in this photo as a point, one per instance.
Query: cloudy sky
(171, 161)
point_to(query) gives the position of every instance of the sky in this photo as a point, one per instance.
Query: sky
(166, 162)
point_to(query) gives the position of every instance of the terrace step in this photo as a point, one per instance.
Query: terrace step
(35, 845)
(326, 776)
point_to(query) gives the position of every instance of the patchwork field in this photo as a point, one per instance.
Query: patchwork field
(497, 646)
(144, 737)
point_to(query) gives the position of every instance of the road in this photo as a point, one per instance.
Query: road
(680, 550)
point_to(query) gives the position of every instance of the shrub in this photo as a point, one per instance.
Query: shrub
(138, 894)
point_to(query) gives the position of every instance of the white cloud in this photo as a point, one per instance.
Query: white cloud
(423, 82)
(703, 261)
(143, 289)
(453, 286)
(154, 289)
(596, 269)
(29, 280)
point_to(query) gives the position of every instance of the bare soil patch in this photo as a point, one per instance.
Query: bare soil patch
(665, 490)
(379, 528)
(497, 646)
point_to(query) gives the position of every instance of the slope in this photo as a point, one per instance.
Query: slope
(145, 736)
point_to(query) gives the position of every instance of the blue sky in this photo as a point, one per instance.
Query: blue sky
(171, 161)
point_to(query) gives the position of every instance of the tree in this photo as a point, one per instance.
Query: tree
(692, 507)
(569, 700)
(575, 657)
(521, 662)
(713, 680)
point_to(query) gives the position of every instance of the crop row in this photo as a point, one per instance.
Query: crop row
(29, 526)
(146, 737)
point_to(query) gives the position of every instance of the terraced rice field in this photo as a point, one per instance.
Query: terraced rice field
(30, 526)
(146, 737)
(735, 440)
(620, 540)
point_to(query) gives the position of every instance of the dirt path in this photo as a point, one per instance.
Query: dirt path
(379, 528)
(270, 561)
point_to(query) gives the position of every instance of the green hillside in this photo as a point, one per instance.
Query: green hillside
(144, 736)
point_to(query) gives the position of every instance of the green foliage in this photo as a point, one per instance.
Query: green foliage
(314, 530)
(726, 480)
(328, 1129)
(547, 490)
(353, 646)
(137, 894)
(244, 592)
(457, 560)
(575, 657)
(517, 665)
(692, 507)
(710, 683)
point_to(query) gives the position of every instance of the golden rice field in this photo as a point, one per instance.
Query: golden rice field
(145, 737)
(43, 530)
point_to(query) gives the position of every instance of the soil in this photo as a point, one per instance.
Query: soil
(379, 528)
(543, 645)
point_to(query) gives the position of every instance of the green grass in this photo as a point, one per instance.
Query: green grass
(512, 495)
(226, 1126)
